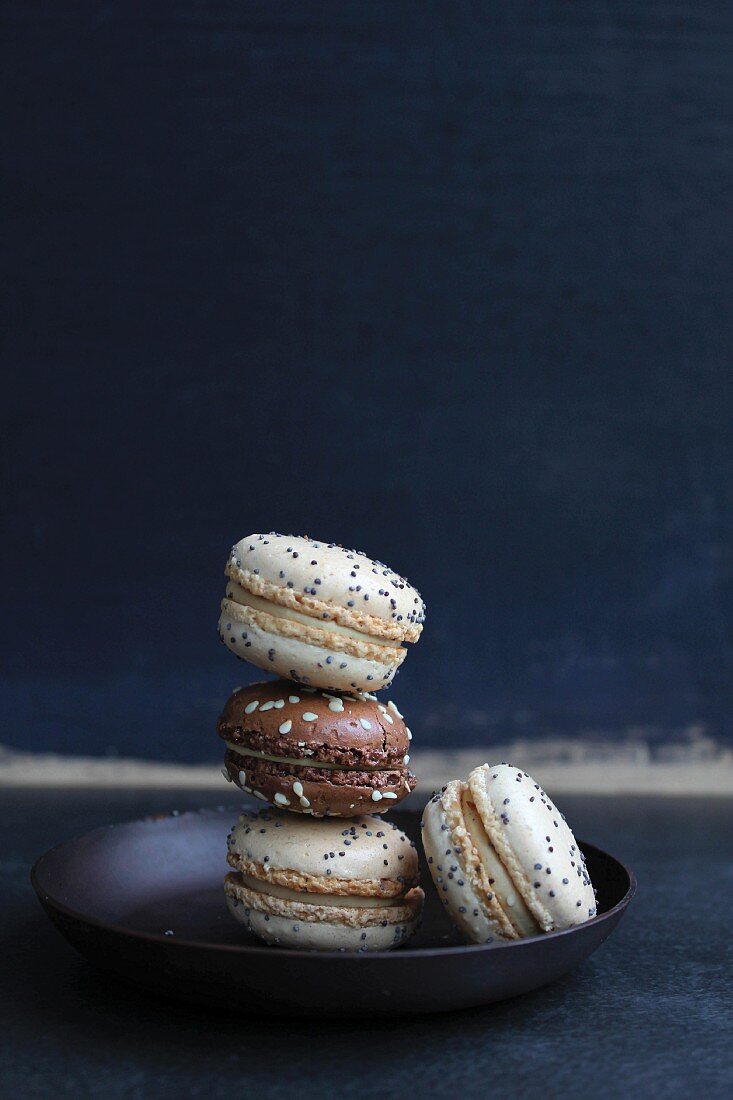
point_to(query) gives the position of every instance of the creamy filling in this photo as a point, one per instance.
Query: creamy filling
(294, 762)
(503, 888)
(241, 596)
(341, 900)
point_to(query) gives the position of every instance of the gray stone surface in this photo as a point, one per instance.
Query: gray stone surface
(649, 1013)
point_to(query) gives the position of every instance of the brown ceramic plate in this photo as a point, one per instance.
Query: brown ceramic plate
(144, 902)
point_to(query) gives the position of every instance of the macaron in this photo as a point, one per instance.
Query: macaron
(316, 752)
(323, 885)
(316, 613)
(504, 861)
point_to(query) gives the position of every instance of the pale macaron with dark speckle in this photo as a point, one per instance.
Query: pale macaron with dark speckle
(316, 613)
(323, 885)
(503, 859)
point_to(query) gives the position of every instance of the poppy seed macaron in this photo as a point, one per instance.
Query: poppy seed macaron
(315, 752)
(504, 861)
(323, 885)
(316, 613)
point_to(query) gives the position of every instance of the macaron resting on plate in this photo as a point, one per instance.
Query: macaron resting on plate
(504, 860)
(144, 901)
(323, 885)
(315, 752)
(316, 613)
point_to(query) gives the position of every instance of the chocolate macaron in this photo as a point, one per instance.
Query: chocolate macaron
(316, 752)
(323, 886)
(316, 613)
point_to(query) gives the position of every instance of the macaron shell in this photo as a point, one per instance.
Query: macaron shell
(535, 844)
(310, 791)
(242, 631)
(365, 848)
(284, 719)
(306, 936)
(368, 591)
(453, 881)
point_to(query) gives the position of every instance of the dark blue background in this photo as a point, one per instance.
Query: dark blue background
(449, 282)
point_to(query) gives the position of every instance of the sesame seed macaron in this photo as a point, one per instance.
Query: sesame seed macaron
(316, 613)
(504, 861)
(315, 752)
(323, 885)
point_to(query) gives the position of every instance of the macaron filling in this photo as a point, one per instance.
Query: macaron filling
(405, 907)
(503, 888)
(296, 762)
(238, 594)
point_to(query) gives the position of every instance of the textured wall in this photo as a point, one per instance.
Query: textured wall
(447, 281)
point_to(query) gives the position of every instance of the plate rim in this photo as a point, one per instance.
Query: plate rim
(117, 929)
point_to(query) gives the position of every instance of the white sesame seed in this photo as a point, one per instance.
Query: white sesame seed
(279, 704)
(297, 788)
(226, 775)
(301, 744)
(242, 778)
(304, 801)
(364, 724)
(409, 735)
(336, 706)
(259, 794)
(309, 716)
(251, 706)
(281, 799)
(392, 707)
(285, 727)
(406, 760)
(267, 706)
(293, 698)
(388, 718)
(389, 794)
(376, 796)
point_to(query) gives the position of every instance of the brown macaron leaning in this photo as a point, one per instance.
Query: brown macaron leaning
(316, 752)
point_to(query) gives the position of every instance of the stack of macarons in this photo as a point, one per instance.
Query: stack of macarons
(317, 743)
